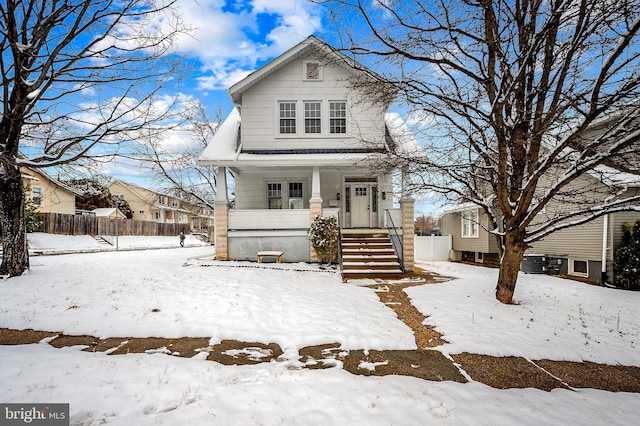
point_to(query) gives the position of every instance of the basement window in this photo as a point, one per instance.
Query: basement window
(579, 267)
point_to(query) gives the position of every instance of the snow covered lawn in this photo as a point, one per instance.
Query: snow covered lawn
(165, 293)
(556, 318)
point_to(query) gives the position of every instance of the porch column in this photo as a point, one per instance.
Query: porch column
(407, 207)
(221, 215)
(315, 207)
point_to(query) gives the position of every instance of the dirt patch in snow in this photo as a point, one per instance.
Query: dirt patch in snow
(424, 363)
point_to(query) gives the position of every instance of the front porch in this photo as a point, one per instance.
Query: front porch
(293, 197)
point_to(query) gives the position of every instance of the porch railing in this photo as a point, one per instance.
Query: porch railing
(269, 219)
(396, 240)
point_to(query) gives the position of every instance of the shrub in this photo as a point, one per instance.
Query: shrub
(34, 219)
(323, 235)
(626, 261)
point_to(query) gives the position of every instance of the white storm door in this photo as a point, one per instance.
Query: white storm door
(360, 208)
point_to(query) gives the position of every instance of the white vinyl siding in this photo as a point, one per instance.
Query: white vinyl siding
(260, 111)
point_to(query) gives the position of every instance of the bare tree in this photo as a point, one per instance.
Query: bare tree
(170, 154)
(79, 79)
(508, 94)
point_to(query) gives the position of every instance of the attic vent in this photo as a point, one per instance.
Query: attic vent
(312, 70)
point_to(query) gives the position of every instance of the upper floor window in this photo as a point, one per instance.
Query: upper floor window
(312, 117)
(337, 117)
(175, 203)
(470, 223)
(287, 117)
(37, 196)
(312, 70)
(161, 199)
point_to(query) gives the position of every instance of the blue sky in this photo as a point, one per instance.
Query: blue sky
(230, 39)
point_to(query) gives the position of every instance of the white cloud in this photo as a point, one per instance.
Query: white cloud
(229, 39)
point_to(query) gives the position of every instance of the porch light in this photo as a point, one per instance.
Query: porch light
(338, 196)
(384, 195)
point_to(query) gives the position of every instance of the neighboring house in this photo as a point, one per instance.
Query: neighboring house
(48, 194)
(467, 225)
(584, 251)
(301, 143)
(155, 206)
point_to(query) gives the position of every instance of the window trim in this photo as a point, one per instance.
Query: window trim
(269, 197)
(285, 195)
(319, 117)
(280, 117)
(464, 218)
(298, 121)
(572, 271)
(41, 191)
(331, 118)
(305, 74)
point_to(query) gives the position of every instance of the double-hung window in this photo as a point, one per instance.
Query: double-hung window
(287, 117)
(337, 117)
(312, 117)
(295, 195)
(274, 195)
(37, 196)
(470, 223)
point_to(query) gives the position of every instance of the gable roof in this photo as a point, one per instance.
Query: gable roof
(135, 190)
(310, 45)
(51, 179)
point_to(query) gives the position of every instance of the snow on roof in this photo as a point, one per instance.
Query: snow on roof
(402, 137)
(612, 177)
(105, 212)
(224, 150)
(223, 145)
(462, 207)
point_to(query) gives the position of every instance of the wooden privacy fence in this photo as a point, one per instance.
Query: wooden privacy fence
(69, 224)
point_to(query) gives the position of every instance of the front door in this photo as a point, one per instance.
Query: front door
(360, 206)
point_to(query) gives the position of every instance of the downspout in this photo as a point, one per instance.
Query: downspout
(605, 238)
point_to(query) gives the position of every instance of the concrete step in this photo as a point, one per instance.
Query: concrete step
(378, 266)
(369, 255)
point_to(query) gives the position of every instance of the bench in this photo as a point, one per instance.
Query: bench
(276, 254)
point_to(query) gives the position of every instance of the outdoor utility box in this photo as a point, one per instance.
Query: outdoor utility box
(533, 264)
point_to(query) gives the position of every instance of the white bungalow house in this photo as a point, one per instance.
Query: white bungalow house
(299, 143)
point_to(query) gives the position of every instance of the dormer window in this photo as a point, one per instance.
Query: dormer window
(312, 71)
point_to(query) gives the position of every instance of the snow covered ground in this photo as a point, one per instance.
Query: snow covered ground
(40, 242)
(169, 293)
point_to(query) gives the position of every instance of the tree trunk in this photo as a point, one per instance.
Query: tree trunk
(510, 266)
(15, 253)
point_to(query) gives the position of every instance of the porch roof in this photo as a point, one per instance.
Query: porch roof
(224, 149)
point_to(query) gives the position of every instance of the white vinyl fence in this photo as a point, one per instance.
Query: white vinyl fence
(432, 247)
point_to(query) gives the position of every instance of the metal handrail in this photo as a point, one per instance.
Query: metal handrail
(396, 241)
